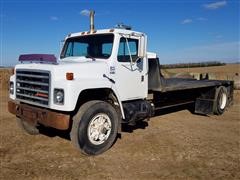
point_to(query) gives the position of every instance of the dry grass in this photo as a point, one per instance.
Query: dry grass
(4, 78)
(227, 72)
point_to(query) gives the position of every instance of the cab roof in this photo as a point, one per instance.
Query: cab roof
(106, 31)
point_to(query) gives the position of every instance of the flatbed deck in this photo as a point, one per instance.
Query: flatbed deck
(174, 84)
(157, 82)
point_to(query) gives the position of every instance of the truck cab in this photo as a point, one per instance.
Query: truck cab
(122, 51)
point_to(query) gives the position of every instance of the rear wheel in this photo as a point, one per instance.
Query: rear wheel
(95, 127)
(28, 128)
(221, 100)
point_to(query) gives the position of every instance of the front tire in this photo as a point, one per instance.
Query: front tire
(95, 127)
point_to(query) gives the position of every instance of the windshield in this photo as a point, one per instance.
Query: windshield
(91, 46)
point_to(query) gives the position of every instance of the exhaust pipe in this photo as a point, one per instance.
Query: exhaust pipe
(91, 14)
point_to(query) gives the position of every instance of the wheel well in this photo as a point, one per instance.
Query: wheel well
(104, 94)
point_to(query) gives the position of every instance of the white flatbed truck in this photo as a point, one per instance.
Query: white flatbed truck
(103, 78)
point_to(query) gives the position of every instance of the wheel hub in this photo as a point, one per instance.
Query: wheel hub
(99, 129)
(223, 100)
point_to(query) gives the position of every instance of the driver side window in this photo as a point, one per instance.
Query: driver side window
(123, 51)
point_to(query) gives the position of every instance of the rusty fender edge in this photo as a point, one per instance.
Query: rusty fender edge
(34, 115)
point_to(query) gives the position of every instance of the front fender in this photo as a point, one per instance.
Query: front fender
(72, 90)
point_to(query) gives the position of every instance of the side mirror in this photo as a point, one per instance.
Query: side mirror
(141, 47)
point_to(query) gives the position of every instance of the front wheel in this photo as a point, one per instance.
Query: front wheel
(95, 127)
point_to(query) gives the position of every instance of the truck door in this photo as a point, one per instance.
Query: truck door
(131, 77)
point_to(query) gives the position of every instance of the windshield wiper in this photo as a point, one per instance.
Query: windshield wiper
(88, 56)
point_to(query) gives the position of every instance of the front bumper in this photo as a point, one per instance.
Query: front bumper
(35, 115)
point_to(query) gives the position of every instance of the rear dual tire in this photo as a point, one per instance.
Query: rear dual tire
(221, 100)
(94, 127)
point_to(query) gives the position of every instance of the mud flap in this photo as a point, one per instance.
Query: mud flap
(204, 106)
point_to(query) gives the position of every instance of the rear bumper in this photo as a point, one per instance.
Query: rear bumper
(34, 115)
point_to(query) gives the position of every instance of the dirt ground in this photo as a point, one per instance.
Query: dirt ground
(177, 145)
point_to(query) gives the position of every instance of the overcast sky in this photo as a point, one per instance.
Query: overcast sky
(179, 31)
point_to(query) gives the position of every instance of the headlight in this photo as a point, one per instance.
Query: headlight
(11, 87)
(59, 96)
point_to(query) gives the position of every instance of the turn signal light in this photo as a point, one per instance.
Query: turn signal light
(69, 76)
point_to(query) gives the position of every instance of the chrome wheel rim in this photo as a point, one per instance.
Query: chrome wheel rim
(223, 100)
(99, 129)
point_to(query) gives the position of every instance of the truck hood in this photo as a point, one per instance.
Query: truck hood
(80, 66)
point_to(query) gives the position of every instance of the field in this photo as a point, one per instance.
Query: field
(227, 72)
(176, 145)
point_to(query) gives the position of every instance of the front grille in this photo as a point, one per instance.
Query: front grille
(33, 86)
